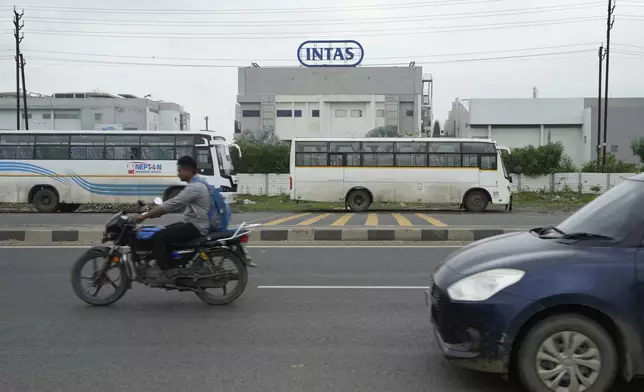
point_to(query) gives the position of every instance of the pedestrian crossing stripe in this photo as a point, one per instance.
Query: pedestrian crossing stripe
(353, 219)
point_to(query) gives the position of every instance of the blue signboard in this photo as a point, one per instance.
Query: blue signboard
(330, 53)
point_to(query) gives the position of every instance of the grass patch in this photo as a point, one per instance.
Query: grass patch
(552, 201)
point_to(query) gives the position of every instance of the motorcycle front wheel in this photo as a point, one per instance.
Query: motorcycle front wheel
(102, 276)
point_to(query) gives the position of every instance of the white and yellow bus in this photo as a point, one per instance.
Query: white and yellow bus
(60, 170)
(362, 171)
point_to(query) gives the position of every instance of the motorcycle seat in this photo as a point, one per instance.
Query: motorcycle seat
(213, 236)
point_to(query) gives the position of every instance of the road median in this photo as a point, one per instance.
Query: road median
(264, 235)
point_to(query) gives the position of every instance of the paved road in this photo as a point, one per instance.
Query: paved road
(384, 219)
(269, 340)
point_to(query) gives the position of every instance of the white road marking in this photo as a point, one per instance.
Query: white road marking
(249, 246)
(348, 287)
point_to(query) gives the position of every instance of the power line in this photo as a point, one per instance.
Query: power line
(297, 35)
(288, 59)
(525, 56)
(365, 7)
(273, 23)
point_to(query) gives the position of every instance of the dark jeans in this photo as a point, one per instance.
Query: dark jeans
(176, 232)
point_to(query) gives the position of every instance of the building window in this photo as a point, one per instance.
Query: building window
(46, 116)
(340, 112)
(66, 116)
(284, 113)
(613, 148)
(28, 115)
(297, 113)
(410, 113)
(250, 113)
(356, 113)
(98, 116)
(380, 113)
(315, 113)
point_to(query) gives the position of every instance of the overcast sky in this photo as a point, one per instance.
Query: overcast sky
(188, 50)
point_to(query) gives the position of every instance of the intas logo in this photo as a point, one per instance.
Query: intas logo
(342, 53)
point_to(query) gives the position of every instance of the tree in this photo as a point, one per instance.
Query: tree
(266, 135)
(613, 165)
(638, 148)
(388, 131)
(538, 161)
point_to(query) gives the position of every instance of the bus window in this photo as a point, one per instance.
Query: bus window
(204, 161)
(479, 148)
(488, 162)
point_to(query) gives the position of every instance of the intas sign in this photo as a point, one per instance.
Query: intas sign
(338, 53)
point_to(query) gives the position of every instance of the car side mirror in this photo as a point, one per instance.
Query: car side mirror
(510, 179)
(158, 201)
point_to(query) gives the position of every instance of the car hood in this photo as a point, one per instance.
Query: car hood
(512, 250)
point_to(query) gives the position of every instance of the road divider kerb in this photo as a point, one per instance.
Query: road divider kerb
(274, 234)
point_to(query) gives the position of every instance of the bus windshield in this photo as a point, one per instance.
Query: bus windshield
(224, 160)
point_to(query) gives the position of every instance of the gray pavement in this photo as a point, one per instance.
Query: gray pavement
(269, 340)
(314, 219)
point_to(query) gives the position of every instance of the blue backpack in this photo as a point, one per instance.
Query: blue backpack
(219, 213)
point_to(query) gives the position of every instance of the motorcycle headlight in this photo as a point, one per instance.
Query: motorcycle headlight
(484, 285)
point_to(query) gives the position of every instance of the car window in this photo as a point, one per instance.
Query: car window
(616, 213)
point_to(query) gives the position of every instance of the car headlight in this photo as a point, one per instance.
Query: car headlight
(482, 286)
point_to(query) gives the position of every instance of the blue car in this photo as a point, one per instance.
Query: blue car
(559, 308)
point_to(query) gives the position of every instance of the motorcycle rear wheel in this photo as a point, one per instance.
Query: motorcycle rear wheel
(242, 273)
(77, 281)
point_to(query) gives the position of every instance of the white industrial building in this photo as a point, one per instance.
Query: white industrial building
(519, 122)
(333, 101)
(92, 110)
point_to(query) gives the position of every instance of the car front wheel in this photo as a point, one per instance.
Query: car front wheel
(567, 353)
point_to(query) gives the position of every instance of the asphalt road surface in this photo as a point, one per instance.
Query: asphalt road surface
(271, 339)
(285, 219)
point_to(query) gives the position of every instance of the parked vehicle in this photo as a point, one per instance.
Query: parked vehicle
(209, 262)
(560, 307)
(362, 171)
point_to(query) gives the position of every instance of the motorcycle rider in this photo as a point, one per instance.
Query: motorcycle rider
(195, 201)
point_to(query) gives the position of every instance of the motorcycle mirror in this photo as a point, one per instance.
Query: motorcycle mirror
(158, 201)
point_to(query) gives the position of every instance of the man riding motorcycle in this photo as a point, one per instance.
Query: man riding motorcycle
(195, 200)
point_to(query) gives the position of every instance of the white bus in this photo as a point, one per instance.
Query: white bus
(361, 171)
(60, 170)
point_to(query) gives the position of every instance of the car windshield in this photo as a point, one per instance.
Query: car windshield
(615, 214)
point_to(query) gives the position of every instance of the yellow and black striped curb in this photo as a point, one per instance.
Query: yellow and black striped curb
(290, 234)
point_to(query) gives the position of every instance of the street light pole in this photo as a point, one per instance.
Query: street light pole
(610, 21)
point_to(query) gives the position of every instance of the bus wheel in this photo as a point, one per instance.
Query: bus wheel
(45, 200)
(359, 200)
(476, 201)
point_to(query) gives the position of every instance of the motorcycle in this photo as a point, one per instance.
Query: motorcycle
(126, 249)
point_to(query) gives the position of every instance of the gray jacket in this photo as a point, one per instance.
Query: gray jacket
(194, 199)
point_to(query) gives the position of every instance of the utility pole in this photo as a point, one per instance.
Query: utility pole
(602, 54)
(24, 91)
(16, 33)
(206, 118)
(610, 21)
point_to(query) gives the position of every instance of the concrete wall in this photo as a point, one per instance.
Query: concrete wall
(48, 113)
(625, 124)
(278, 184)
(526, 111)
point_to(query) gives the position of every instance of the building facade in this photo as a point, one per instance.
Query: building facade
(332, 101)
(537, 121)
(91, 110)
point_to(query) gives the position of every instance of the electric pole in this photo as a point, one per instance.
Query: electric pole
(610, 21)
(206, 118)
(24, 91)
(602, 54)
(16, 33)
